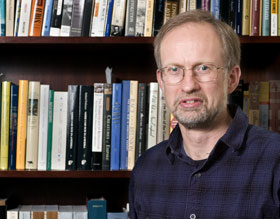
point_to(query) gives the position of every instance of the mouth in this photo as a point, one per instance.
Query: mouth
(191, 103)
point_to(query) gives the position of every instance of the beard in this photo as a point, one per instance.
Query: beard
(201, 116)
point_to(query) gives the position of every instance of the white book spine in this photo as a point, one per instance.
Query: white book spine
(10, 11)
(149, 18)
(118, 17)
(99, 18)
(192, 5)
(152, 119)
(24, 17)
(12, 213)
(59, 130)
(43, 127)
(132, 124)
(140, 18)
(97, 117)
(274, 17)
(182, 6)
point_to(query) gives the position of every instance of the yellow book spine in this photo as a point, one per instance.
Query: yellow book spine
(5, 112)
(246, 17)
(149, 18)
(21, 126)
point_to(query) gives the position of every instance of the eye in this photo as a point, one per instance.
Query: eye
(203, 68)
(173, 70)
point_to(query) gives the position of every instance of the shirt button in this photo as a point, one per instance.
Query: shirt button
(192, 216)
(197, 175)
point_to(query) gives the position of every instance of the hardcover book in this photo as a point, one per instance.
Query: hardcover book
(50, 129)
(265, 17)
(264, 104)
(47, 18)
(215, 8)
(158, 16)
(24, 17)
(171, 8)
(254, 111)
(36, 17)
(274, 15)
(245, 17)
(149, 18)
(255, 18)
(140, 17)
(89, 5)
(77, 17)
(109, 18)
(97, 208)
(10, 14)
(118, 18)
(99, 18)
(130, 18)
(17, 16)
(2, 17)
(56, 18)
(66, 18)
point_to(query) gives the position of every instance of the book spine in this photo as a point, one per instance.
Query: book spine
(13, 127)
(32, 125)
(118, 18)
(72, 127)
(10, 12)
(265, 17)
(182, 6)
(43, 127)
(77, 17)
(205, 5)
(158, 16)
(107, 119)
(274, 14)
(238, 17)
(97, 125)
(2, 17)
(130, 18)
(88, 9)
(255, 18)
(140, 18)
(264, 104)
(163, 119)
(132, 124)
(274, 105)
(149, 18)
(152, 121)
(254, 112)
(232, 14)
(109, 18)
(278, 16)
(21, 126)
(5, 115)
(99, 18)
(215, 8)
(56, 18)
(85, 127)
(192, 5)
(171, 8)
(36, 17)
(47, 18)
(50, 129)
(116, 126)
(66, 18)
(140, 146)
(17, 15)
(24, 17)
(59, 130)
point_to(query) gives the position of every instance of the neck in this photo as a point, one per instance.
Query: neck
(199, 142)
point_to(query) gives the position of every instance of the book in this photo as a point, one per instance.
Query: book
(107, 119)
(118, 18)
(245, 17)
(80, 212)
(10, 14)
(25, 212)
(21, 126)
(13, 127)
(265, 17)
(89, 5)
(32, 130)
(43, 126)
(264, 104)
(205, 5)
(99, 18)
(24, 17)
(36, 17)
(152, 119)
(130, 18)
(274, 104)
(2, 17)
(50, 129)
(182, 6)
(255, 18)
(97, 208)
(171, 8)
(215, 8)
(5, 123)
(117, 215)
(173, 122)
(254, 111)
(109, 18)
(46, 25)
(51, 211)
(85, 127)
(13, 213)
(238, 17)
(191, 5)
(273, 18)
(66, 19)
(56, 18)
(140, 18)
(132, 123)
(72, 127)
(142, 116)
(37, 211)
(65, 211)
(116, 126)
(58, 159)
(246, 102)
(17, 16)
(158, 16)
(97, 126)
(124, 124)
(236, 97)
(77, 17)
(148, 29)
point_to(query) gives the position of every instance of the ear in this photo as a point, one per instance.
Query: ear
(159, 79)
(233, 78)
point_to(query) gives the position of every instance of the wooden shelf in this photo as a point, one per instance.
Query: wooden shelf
(64, 174)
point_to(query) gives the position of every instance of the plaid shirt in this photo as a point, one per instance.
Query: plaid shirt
(239, 180)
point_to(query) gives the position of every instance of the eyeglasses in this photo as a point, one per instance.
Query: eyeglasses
(204, 72)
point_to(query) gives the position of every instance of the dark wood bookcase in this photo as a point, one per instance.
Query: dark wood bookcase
(60, 61)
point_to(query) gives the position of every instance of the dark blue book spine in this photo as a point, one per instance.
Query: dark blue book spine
(97, 208)
(13, 127)
(124, 124)
(238, 17)
(109, 18)
(116, 126)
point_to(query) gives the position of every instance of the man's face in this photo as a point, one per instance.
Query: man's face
(193, 103)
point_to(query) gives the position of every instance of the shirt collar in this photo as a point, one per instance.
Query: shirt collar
(233, 137)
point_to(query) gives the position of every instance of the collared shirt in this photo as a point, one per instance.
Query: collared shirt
(239, 180)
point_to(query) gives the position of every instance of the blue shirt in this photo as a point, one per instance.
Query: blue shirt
(239, 180)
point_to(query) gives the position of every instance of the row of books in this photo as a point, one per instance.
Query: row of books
(260, 100)
(129, 17)
(95, 209)
(99, 127)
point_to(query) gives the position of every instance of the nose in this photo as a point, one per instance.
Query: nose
(189, 82)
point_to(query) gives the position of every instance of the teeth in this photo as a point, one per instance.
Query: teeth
(189, 101)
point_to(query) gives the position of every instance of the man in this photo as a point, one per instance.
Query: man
(215, 164)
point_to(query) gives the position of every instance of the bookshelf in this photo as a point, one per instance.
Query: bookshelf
(60, 61)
